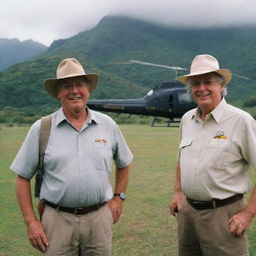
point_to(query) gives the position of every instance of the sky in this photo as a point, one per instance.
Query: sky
(47, 20)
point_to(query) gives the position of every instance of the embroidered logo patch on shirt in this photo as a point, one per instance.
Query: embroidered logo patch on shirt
(101, 140)
(220, 135)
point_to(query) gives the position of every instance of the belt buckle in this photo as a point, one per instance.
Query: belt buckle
(214, 204)
(76, 211)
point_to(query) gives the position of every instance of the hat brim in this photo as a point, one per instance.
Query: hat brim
(225, 73)
(51, 88)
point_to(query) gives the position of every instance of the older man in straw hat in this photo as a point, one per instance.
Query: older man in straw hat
(218, 142)
(80, 206)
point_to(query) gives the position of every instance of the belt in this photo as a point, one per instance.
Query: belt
(76, 211)
(203, 205)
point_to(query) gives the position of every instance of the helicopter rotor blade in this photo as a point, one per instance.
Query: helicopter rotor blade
(168, 67)
(156, 65)
(129, 62)
(242, 77)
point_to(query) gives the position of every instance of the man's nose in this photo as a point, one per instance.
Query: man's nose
(201, 85)
(74, 87)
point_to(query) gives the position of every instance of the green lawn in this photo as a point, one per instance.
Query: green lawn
(145, 228)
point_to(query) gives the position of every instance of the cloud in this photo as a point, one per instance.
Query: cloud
(199, 13)
(48, 20)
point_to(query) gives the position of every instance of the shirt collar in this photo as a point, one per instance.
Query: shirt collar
(60, 117)
(216, 113)
(92, 118)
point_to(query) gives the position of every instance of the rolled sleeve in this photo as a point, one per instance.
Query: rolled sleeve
(26, 160)
(123, 156)
(248, 144)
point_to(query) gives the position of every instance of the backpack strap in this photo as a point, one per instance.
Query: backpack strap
(45, 131)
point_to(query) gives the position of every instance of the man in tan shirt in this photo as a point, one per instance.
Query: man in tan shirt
(218, 143)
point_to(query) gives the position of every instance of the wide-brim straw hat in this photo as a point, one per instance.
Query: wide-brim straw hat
(203, 64)
(67, 68)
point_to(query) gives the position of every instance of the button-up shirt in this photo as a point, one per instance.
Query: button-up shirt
(215, 154)
(77, 163)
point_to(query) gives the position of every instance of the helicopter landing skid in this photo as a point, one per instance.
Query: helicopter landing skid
(171, 122)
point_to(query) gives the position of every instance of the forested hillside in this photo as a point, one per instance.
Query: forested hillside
(106, 49)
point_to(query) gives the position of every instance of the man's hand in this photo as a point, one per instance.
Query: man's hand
(176, 202)
(115, 206)
(37, 236)
(240, 222)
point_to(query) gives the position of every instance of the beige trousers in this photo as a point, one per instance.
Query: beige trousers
(205, 232)
(66, 233)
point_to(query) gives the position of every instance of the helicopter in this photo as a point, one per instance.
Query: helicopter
(170, 99)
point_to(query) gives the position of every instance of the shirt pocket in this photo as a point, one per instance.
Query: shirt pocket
(185, 148)
(223, 152)
(102, 156)
(219, 143)
(186, 142)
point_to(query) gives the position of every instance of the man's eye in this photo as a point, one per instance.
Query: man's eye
(196, 83)
(67, 86)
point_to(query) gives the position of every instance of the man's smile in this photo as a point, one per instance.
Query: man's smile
(75, 98)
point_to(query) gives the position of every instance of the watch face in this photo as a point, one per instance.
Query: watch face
(122, 196)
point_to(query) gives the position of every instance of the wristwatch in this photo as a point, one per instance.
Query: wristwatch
(121, 195)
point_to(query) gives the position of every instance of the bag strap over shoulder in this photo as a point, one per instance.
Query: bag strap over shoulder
(45, 131)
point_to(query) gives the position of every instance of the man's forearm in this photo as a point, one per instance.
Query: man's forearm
(177, 183)
(178, 196)
(23, 192)
(122, 178)
(251, 206)
(115, 205)
(36, 232)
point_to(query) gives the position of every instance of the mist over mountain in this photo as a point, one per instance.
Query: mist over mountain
(117, 39)
(13, 51)
(106, 49)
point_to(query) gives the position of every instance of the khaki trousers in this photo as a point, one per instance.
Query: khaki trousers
(205, 232)
(66, 233)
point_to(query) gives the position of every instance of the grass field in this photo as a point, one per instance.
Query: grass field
(145, 228)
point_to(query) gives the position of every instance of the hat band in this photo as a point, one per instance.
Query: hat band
(71, 75)
(203, 70)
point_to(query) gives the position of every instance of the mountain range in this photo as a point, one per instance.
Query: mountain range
(106, 49)
(13, 51)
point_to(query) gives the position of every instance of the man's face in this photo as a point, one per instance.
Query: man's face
(206, 91)
(73, 94)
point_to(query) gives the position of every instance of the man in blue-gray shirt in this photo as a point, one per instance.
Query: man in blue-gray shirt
(80, 206)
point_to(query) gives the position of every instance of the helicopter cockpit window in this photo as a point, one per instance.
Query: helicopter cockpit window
(150, 93)
(184, 97)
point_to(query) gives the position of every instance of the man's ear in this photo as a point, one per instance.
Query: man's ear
(222, 87)
(57, 89)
